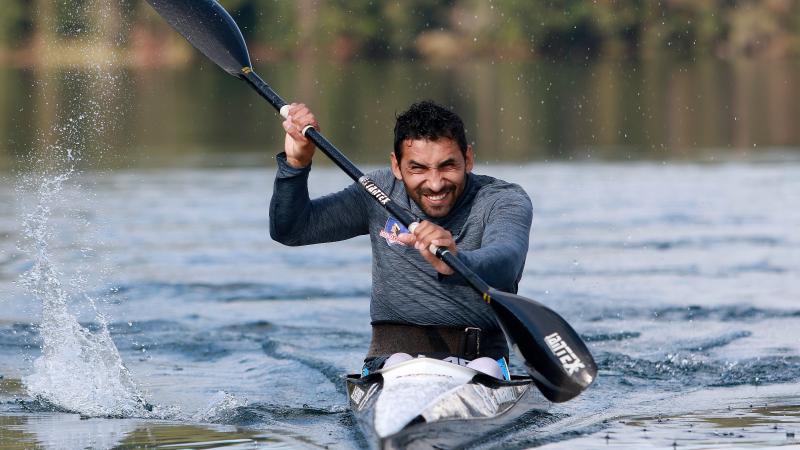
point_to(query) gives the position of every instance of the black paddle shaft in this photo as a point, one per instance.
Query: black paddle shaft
(552, 350)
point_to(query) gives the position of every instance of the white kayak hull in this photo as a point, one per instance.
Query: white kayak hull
(428, 403)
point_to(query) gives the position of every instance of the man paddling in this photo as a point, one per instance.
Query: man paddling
(418, 305)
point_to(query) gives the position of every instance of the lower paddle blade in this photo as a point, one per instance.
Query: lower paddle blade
(210, 28)
(554, 353)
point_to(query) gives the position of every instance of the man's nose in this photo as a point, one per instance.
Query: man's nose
(435, 181)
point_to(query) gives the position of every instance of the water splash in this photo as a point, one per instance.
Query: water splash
(221, 406)
(78, 370)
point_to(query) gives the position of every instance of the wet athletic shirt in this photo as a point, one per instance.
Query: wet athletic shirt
(490, 223)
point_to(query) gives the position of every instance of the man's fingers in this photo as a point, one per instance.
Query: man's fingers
(407, 238)
(306, 118)
(422, 242)
(426, 243)
(301, 116)
(296, 108)
(427, 233)
(442, 242)
(423, 231)
(292, 131)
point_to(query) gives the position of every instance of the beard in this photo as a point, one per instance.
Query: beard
(434, 207)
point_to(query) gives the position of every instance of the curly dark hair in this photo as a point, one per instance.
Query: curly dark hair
(431, 121)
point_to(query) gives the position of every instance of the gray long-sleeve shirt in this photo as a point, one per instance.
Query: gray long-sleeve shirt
(490, 223)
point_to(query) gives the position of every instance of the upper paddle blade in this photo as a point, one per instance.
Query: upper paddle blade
(210, 28)
(554, 354)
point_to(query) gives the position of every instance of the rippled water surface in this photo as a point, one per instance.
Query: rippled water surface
(682, 277)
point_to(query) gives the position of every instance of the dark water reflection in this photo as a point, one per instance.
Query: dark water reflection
(514, 111)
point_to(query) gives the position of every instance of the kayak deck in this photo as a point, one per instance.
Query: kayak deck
(428, 403)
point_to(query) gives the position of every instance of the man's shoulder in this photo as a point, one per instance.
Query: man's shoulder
(383, 177)
(492, 190)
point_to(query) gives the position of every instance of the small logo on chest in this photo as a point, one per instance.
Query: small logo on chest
(391, 230)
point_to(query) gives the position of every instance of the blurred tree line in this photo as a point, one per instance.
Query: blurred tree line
(450, 29)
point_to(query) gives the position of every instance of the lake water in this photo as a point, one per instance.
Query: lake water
(679, 264)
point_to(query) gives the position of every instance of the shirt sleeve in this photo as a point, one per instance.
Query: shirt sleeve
(295, 219)
(501, 258)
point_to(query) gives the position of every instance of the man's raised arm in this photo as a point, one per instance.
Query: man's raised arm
(294, 219)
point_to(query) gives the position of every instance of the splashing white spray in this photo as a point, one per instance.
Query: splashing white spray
(78, 370)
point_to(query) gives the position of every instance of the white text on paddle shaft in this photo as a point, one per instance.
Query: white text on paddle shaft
(568, 359)
(374, 191)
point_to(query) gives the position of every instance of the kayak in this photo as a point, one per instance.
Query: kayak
(429, 403)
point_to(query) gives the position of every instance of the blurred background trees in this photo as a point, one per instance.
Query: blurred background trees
(449, 29)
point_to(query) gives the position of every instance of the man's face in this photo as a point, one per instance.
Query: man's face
(434, 173)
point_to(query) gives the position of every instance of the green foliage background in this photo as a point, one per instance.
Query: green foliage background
(519, 29)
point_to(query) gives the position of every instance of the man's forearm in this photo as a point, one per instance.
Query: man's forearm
(290, 203)
(295, 219)
(500, 259)
(499, 266)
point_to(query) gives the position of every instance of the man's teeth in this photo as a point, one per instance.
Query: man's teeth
(437, 197)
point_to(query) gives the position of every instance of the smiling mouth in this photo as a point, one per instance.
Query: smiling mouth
(437, 197)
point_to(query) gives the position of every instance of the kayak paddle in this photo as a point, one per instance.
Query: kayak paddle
(553, 352)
